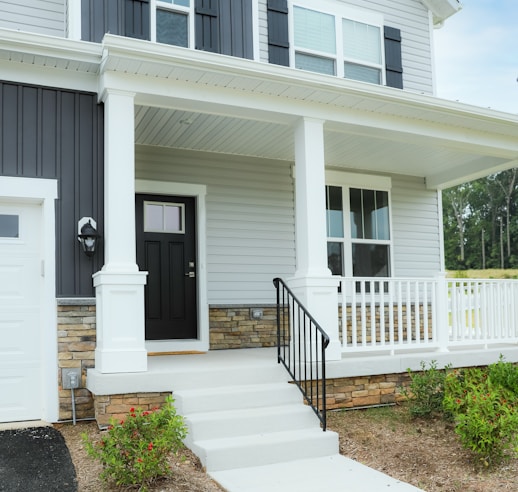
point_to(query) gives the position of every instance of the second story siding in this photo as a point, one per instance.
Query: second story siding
(36, 16)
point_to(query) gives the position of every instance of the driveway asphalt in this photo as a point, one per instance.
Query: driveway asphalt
(34, 459)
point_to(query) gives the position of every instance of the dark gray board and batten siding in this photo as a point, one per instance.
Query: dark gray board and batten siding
(59, 134)
(221, 26)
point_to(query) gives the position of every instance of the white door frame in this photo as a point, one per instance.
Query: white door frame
(44, 192)
(199, 192)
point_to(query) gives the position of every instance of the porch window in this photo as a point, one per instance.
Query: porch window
(358, 231)
(338, 41)
(173, 22)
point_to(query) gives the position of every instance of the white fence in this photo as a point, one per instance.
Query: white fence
(379, 314)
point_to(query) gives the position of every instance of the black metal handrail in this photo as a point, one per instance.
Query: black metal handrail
(301, 345)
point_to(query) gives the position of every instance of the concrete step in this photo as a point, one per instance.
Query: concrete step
(241, 422)
(218, 377)
(333, 473)
(264, 449)
(236, 397)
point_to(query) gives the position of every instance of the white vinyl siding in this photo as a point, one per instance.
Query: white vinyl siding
(408, 15)
(416, 228)
(250, 218)
(36, 16)
(263, 31)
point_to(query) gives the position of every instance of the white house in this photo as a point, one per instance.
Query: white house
(216, 145)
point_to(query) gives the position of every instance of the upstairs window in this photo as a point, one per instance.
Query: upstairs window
(337, 40)
(173, 22)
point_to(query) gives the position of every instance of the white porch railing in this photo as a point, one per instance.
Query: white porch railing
(380, 314)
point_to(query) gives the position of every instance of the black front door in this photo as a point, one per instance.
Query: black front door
(166, 248)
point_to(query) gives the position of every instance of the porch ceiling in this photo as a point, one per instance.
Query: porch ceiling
(204, 101)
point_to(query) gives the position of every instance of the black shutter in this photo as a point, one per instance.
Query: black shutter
(236, 28)
(207, 25)
(393, 62)
(278, 36)
(136, 19)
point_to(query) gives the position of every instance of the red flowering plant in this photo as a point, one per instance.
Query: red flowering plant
(135, 451)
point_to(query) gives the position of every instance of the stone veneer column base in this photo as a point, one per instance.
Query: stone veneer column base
(76, 345)
(117, 407)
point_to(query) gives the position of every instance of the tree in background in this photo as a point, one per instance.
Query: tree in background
(479, 230)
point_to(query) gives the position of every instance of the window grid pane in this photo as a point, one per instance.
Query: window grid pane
(370, 260)
(313, 63)
(172, 28)
(361, 41)
(362, 73)
(335, 258)
(334, 212)
(314, 30)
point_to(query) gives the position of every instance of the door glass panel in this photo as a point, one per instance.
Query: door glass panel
(9, 226)
(335, 254)
(334, 211)
(164, 217)
(172, 28)
(173, 218)
(370, 260)
(153, 217)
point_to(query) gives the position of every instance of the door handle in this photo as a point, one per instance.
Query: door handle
(190, 274)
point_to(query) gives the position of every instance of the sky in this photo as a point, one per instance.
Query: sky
(476, 55)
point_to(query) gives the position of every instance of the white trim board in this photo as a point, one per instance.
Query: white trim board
(199, 192)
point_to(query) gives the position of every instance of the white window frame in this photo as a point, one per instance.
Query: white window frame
(365, 182)
(189, 11)
(339, 11)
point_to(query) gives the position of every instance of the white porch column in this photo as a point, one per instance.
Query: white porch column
(313, 283)
(119, 285)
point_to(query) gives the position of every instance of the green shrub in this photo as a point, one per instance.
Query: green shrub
(426, 390)
(135, 451)
(484, 414)
(504, 374)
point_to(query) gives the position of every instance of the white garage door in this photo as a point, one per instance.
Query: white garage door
(20, 312)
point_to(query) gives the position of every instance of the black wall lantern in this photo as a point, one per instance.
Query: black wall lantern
(88, 235)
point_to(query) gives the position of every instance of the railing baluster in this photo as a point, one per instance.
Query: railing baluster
(308, 369)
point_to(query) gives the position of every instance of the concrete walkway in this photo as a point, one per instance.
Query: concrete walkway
(334, 473)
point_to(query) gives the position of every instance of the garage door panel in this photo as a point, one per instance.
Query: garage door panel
(19, 392)
(19, 284)
(17, 338)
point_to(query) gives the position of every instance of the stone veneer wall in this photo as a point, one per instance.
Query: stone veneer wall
(232, 327)
(76, 345)
(118, 406)
(364, 391)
